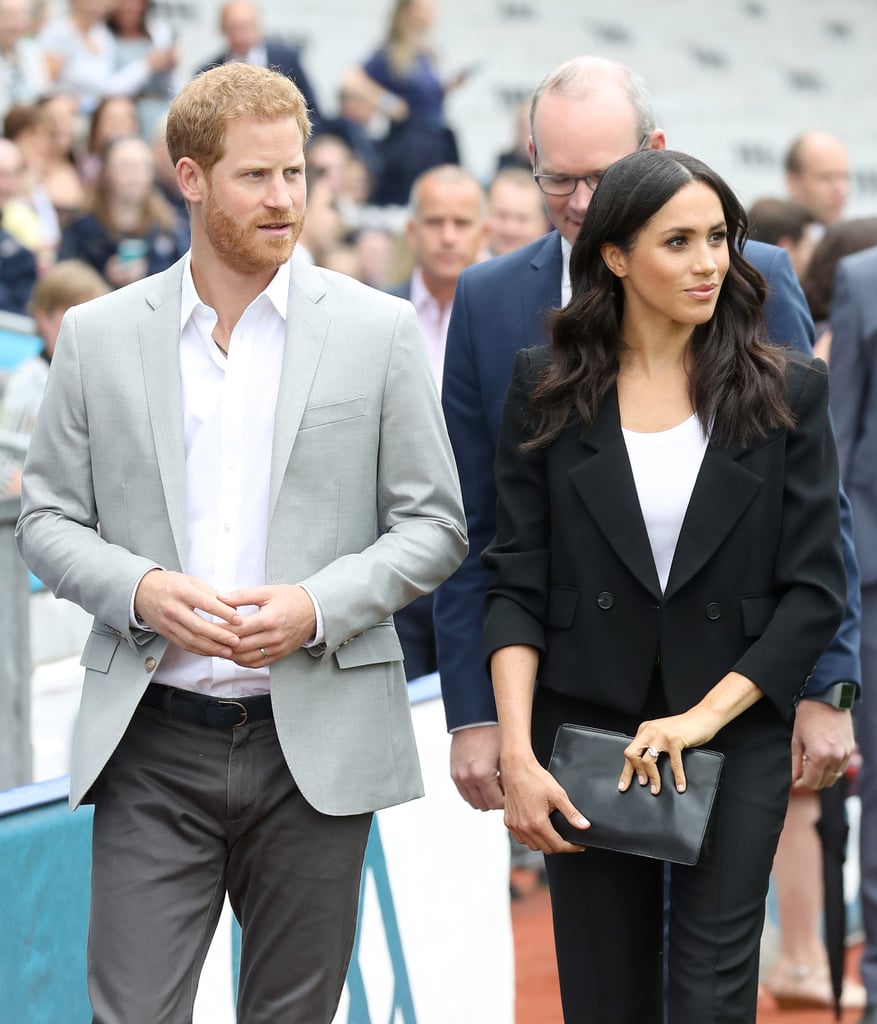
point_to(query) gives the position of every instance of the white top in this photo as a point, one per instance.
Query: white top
(665, 465)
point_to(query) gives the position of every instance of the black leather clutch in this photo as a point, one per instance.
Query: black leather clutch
(670, 826)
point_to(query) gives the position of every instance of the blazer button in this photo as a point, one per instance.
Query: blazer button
(713, 611)
(149, 664)
(605, 600)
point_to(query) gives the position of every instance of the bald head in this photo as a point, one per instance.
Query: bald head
(585, 115)
(241, 25)
(16, 21)
(818, 174)
(587, 76)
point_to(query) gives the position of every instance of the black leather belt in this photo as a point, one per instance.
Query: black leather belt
(199, 709)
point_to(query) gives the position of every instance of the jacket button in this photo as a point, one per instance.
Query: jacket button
(605, 600)
(149, 664)
(713, 611)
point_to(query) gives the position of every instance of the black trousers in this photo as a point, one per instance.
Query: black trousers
(608, 908)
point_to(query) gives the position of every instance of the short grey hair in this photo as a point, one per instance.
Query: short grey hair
(583, 76)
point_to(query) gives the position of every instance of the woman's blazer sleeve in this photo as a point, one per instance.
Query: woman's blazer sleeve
(809, 572)
(516, 602)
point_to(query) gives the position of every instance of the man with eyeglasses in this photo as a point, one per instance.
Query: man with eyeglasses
(585, 115)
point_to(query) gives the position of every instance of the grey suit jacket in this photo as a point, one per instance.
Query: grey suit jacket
(854, 396)
(364, 508)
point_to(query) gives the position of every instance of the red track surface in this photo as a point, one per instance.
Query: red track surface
(537, 996)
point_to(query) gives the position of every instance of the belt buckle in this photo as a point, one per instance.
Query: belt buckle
(236, 704)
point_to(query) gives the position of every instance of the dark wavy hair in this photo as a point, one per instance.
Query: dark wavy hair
(736, 377)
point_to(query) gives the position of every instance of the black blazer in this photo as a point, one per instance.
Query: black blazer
(757, 582)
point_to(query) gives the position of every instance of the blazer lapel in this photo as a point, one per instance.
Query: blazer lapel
(159, 332)
(604, 482)
(307, 325)
(723, 491)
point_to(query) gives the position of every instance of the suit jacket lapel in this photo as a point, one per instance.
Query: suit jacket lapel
(307, 325)
(723, 491)
(604, 482)
(159, 333)
(541, 291)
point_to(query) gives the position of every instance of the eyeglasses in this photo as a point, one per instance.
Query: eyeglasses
(566, 184)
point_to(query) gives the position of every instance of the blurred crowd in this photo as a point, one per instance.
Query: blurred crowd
(84, 170)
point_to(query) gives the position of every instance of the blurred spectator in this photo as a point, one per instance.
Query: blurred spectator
(23, 74)
(17, 216)
(786, 224)
(81, 56)
(165, 172)
(323, 228)
(354, 125)
(519, 153)
(66, 284)
(375, 248)
(446, 228)
(840, 240)
(343, 259)
(402, 80)
(515, 213)
(241, 24)
(18, 268)
(115, 117)
(18, 274)
(130, 230)
(25, 126)
(57, 137)
(358, 182)
(818, 174)
(138, 33)
(328, 157)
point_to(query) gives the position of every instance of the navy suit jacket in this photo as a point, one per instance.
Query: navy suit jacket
(499, 308)
(285, 59)
(854, 395)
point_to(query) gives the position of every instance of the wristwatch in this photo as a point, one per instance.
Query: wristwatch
(841, 696)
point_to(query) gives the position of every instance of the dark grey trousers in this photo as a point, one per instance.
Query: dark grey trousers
(866, 736)
(184, 814)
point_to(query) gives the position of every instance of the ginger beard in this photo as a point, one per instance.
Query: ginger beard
(245, 247)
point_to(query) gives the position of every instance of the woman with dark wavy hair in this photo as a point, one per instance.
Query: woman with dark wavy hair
(667, 564)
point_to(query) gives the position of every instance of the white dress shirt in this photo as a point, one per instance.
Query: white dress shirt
(228, 406)
(565, 284)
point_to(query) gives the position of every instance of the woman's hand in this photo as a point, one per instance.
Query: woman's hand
(730, 697)
(666, 737)
(531, 794)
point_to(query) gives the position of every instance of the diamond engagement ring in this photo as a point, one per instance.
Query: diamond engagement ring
(652, 752)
